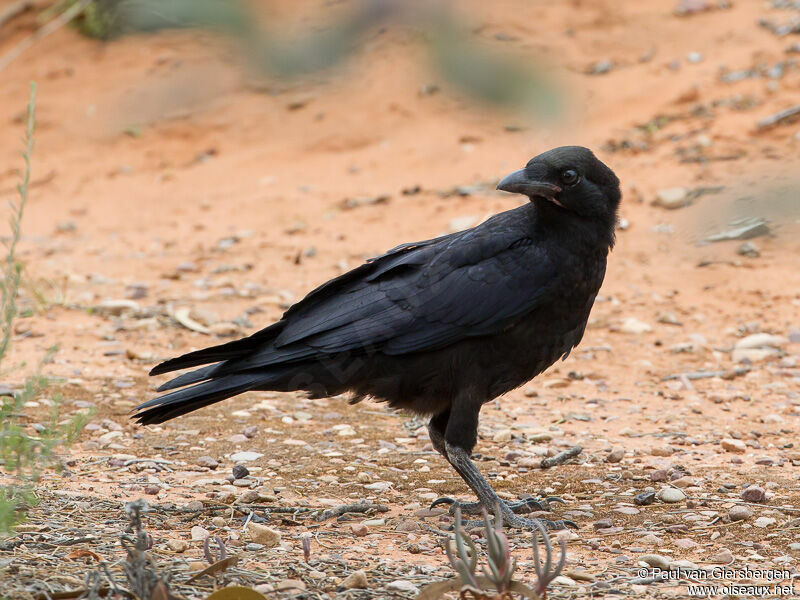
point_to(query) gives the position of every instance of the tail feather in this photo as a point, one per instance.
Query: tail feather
(191, 377)
(228, 351)
(197, 396)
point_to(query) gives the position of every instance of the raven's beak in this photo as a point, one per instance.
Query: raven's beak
(519, 183)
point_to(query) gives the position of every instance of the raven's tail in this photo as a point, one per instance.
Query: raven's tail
(197, 396)
(229, 351)
(211, 383)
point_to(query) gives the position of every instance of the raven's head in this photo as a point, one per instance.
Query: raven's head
(572, 180)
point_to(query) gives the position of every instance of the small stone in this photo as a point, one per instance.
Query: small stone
(407, 525)
(177, 545)
(685, 543)
(732, 445)
(248, 497)
(740, 513)
(290, 584)
(662, 451)
(672, 198)
(795, 546)
(357, 580)
(253, 547)
(194, 506)
(634, 326)
(655, 560)
(671, 495)
(603, 524)
(151, 490)
(359, 529)
(261, 534)
(504, 435)
(652, 540)
(250, 432)
(207, 461)
(198, 533)
(601, 67)
(402, 585)
(627, 510)
(218, 522)
(616, 455)
(245, 456)
(658, 475)
(723, 557)
(754, 494)
(240, 472)
(644, 499)
(748, 249)
(761, 340)
(764, 522)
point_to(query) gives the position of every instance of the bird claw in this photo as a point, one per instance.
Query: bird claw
(523, 506)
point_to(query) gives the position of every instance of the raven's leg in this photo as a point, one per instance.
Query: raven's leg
(436, 431)
(460, 437)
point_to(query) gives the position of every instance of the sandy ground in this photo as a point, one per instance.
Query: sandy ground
(164, 180)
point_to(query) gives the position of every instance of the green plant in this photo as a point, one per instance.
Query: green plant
(501, 565)
(23, 455)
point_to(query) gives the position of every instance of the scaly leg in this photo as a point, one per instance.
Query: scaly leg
(464, 430)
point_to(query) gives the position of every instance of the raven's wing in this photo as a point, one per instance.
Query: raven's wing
(463, 285)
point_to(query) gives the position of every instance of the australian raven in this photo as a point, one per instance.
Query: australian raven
(437, 327)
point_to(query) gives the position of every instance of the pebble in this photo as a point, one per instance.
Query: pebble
(359, 529)
(732, 445)
(198, 533)
(794, 546)
(240, 472)
(357, 580)
(261, 534)
(740, 513)
(748, 249)
(601, 67)
(504, 435)
(761, 340)
(616, 455)
(177, 545)
(658, 475)
(755, 494)
(248, 497)
(764, 522)
(644, 499)
(685, 543)
(671, 495)
(652, 540)
(723, 557)
(401, 585)
(662, 451)
(207, 461)
(603, 524)
(253, 547)
(634, 326)
(245, 456)
(672, 198)
(152, 490)
(627, 510)
(655, 560)
(218, 522)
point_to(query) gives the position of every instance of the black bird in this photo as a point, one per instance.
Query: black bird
(438, 327)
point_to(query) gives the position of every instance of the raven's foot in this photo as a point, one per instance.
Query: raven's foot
(522, 506)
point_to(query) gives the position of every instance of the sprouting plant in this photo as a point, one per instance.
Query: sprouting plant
(501, 565)
(23, 454)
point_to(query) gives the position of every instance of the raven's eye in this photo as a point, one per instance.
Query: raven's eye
(570, 177)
